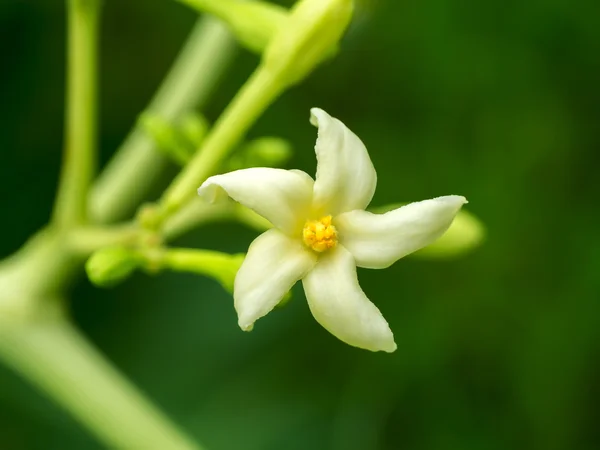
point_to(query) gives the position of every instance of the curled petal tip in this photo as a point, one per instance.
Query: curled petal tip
(316, 115)
(387, 345)
(246, 326)
(453, 198)
(391, 349)
(456, 201)
(208, 191)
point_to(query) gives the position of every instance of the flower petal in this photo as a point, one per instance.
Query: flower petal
(378, 240)
(338, 303)
(272, 266)
(283, 197)
(346, 178)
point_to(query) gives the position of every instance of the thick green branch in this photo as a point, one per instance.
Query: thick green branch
(63, 364)
(81, 113)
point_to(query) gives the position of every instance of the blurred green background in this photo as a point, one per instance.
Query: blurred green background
(497, 101)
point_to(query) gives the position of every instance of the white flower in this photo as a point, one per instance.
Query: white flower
(322, 232)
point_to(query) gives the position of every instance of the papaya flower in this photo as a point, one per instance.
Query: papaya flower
(321, 233)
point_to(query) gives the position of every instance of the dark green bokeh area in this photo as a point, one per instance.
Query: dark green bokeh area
(498, 101)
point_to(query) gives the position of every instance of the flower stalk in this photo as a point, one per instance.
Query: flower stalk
(217, 265)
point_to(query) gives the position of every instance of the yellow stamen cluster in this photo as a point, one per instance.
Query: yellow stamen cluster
(320, 235)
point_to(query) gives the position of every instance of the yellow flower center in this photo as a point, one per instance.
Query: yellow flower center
(320, 235)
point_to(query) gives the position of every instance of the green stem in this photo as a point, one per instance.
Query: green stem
(220, 266)
(55, 357)
(260, 90)
(81, 114)
(197, 213)
(85, 241)
(137, 165)
(41, 269)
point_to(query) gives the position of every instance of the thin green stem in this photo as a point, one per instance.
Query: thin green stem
(81, 113)
(84, 241)
(197, 213)
(200, 261)
(137, 164)
(55, 357)
(260, 90)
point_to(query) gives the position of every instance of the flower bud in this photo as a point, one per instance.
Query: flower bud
(310, 34)
(253, 23)
(109, 266)
(465, 234)
(167, 138)
(194, 128)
